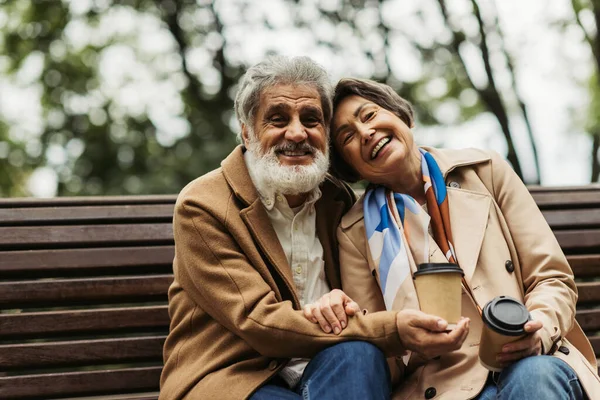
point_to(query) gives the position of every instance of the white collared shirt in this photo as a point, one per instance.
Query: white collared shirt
(296, 230)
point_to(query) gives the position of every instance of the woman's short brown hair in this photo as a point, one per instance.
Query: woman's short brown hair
(380, 94)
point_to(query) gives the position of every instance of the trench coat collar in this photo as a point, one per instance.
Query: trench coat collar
(468, 209)
(329, 209)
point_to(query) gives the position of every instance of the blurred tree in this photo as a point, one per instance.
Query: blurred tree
(137, 94)
(90, 137)
(442, 58)
(583, 8)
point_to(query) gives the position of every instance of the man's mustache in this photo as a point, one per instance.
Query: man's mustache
(294, 146)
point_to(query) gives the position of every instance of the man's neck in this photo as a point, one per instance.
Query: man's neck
(296, 200)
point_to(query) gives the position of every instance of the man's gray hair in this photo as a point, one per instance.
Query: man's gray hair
(280, 70)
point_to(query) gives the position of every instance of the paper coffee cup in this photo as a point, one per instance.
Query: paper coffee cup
(504, 321)
(438, 287)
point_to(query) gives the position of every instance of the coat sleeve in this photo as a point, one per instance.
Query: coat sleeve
(359, 283)
(549, 287)
(216, 274)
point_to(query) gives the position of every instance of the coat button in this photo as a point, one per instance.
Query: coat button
(564, 349)
(454, 185)
(510, 267)
(273, 365)
(430, 393)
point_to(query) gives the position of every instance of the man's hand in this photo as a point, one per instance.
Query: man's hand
(530, 345)
(426, 334)
(331, 311)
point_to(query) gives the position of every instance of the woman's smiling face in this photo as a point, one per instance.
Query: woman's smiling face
(373, 140)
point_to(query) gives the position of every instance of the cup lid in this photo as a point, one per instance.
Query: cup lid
(438, 268)
(506, 316)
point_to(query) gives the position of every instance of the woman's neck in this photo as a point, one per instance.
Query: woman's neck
(409, 179)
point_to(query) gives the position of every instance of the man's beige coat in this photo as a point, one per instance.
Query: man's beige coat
(235, 315)
(495, 222)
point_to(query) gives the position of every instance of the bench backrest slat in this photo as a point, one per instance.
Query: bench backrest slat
(38, 386)
(90, 321)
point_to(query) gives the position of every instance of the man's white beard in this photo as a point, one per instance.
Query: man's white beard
(267, 172)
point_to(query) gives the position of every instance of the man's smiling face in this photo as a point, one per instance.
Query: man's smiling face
(290, 121)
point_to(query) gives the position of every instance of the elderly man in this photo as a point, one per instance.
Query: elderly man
(254, 242)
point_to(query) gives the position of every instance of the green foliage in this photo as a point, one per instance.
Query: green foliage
(102, 148)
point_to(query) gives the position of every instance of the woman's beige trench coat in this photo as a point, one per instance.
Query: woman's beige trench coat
(505, 247)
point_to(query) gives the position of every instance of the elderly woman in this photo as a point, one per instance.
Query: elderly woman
(463, 206)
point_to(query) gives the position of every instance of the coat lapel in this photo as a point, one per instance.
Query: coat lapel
(329, 210)
(255, 217)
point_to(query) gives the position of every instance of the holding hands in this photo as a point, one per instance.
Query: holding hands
(419, 332)
(331, 311)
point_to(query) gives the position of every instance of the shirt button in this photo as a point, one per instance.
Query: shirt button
(268, 202)
(298, 269)
(279, 198)
(510, 267)
(273, 365)
(454, 185)
(430, 393)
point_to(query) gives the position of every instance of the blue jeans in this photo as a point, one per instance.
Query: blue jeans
(533, 378)
(345, 371)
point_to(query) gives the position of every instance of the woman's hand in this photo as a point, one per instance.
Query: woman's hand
(426, 334)
(530, 345)
(331, 311)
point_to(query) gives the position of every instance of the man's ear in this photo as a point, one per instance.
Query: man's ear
(245, 137)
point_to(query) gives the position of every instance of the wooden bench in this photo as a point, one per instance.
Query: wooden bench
(83, 289)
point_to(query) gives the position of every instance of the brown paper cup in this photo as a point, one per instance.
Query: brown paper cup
(439, 293)
(504, 320)
(490, 345)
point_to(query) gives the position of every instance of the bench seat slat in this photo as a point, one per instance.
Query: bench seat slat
(85, 235)
(86, 214)
(27, 261)
(59, 291)
(83, 321)
(81, 352)
(80, 383)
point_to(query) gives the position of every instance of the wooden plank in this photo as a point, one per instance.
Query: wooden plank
(589, 292)
(589, 319)
(134, 396)
(80, 383)
(84, 235)
(81, 352)
(565, 198)
(60, 291)
(595, 341)
(87, 201)
(578, 219)
(579, 240)
(28, 261)
(585, 266)
(83, 321)
(534, 189)
(86, 214)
